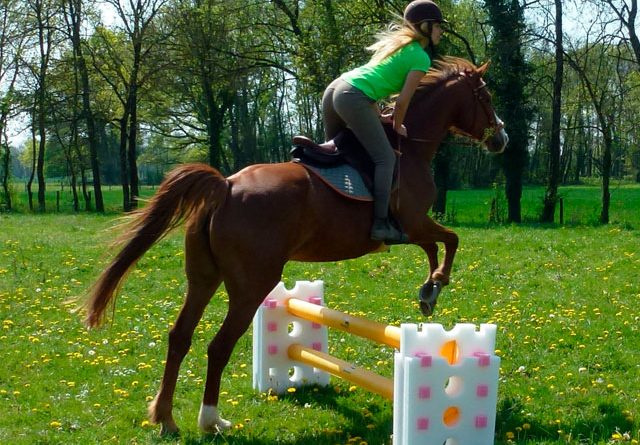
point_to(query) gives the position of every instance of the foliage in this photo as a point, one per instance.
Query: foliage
(229, 82)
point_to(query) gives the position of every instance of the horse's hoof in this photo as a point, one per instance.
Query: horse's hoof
(210, 421)
(429, 296)
(169, 430)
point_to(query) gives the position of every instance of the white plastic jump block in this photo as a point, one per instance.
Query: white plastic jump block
(445, 382)
(275, 329)
(445, 385)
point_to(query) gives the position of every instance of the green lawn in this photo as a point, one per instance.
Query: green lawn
(565, 300)
(582, 204)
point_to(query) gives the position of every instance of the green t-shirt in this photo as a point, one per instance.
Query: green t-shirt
(381, 79)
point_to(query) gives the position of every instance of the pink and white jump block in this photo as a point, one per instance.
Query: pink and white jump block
(445, 383)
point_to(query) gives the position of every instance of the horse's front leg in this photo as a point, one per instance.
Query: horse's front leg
(426, 236)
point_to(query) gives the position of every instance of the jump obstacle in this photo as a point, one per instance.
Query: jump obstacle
(445, 383)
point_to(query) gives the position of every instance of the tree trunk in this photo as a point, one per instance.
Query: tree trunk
(42, 130)
(5, 107)
(551, 194)
(75, 10)
(132, 147)
(509, 80)
(33, 163)
(124, 165)
(606, 172)
(215, 111)
(6, 166)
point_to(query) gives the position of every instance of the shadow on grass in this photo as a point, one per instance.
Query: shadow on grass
(375, 428)
(511, 418)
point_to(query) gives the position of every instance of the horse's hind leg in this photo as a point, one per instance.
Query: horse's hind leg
(203, 280)
(432, 255)
(246, 293)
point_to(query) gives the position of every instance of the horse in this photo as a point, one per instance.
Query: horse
(242, 229)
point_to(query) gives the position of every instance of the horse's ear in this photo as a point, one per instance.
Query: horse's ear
(484, 67)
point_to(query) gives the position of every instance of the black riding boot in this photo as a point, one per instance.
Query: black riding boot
(383, 230)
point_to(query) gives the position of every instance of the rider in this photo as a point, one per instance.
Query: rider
(399, 62)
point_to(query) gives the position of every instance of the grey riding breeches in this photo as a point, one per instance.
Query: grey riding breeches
(344, 105)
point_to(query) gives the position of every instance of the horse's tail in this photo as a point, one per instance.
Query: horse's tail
(186, 190)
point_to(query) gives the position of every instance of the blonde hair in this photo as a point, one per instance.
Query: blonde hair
(398, 35)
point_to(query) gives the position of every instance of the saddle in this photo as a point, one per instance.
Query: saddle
(342, 163)
(344, 149)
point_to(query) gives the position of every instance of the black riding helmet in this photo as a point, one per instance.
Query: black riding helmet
(419, 11)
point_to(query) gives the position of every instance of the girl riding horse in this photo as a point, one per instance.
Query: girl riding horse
(399, 62)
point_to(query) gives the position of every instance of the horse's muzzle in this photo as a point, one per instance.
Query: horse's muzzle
(499, 140)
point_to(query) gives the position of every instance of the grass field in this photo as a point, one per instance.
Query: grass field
(582, 204)
(565, 300)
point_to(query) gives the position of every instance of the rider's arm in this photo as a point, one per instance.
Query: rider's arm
(402, 102)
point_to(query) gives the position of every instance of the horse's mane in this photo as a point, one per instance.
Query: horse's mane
(443, 69)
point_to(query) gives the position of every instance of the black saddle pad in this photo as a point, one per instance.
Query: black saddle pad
(344, 179)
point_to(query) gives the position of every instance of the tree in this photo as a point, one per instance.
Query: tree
(627, 13)
(74, 16)
(590, 63)
(41, 15)
(551, 195)
(11, 44)
(508, 79)
(139, 38)
(206, 53)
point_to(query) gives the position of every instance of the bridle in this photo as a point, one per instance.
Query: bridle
(482, 97)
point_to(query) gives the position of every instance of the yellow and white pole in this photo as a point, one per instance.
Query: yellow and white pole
(345, 370)
(378, 332)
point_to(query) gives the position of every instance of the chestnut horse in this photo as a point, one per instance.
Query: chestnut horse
(241, 230)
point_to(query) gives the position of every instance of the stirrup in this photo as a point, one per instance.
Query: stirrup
(329, 148)
(383, 230)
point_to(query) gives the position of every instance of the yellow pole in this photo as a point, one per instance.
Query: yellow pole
(361, 377)
(378, 332)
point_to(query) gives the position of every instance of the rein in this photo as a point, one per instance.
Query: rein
(481, 96)
(494, 125)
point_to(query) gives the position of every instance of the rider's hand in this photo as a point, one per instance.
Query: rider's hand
(400, 129)
(386, 118)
